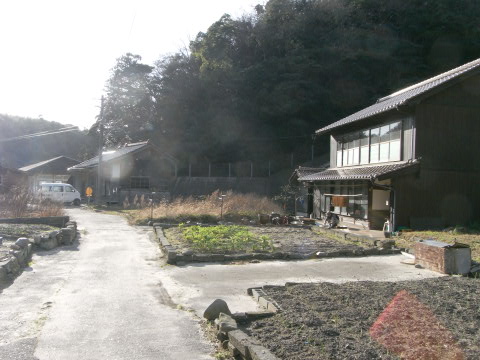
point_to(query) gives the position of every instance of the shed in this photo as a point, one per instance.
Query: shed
(51, 170)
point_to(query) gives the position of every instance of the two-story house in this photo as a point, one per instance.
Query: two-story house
(412, 157)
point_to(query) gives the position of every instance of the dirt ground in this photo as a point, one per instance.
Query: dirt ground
(285, 239)
(332, 321)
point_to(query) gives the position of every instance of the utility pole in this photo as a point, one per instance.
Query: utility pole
(100, 151)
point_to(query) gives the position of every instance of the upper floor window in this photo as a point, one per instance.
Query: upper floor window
(380, 144)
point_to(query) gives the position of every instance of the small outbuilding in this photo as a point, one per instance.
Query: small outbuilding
(49, 171)
(131, 170)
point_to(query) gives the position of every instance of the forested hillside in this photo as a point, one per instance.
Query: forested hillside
(18, 153)
(261, 84)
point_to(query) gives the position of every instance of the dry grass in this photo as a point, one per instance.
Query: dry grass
(470, 237)
(235, 207)
(18, 202)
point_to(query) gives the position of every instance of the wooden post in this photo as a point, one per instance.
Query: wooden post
(100, 153)
(229, 169)
(312, 151)
(269, 167)
(291, 160)
(189, 170)
(251, 169)
(209, 169)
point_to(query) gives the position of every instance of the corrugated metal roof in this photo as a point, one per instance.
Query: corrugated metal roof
(357, 173)
(401, 97)
(46, 162)
(110, 155)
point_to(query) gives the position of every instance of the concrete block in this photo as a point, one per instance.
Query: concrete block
(258, 352)
(201, 257)
(240, 341)
(171, 256)
(217, 257)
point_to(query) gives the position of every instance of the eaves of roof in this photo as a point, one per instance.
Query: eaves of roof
(45, 162)
(111, 155)
(406, 95)
(368, 172)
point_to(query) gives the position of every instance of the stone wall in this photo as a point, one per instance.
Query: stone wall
(21, 251)
(57, 221)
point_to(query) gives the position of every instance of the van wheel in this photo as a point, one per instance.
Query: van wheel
(76, 202)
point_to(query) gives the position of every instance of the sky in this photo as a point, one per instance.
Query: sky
(57, 54)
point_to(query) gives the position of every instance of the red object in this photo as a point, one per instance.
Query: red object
(411, 330)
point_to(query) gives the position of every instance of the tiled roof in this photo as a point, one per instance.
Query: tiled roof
(49, 161)
(304, 171)
(358, 172)
(110, 155)
(401, 97)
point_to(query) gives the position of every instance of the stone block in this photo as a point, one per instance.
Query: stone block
(258, 352)
(171, 256)
(201, 257)
(215, 308)
(225, 323)
(67, 235)
(217, 257)
(49, 244)
(386, 244)
(22, 242)
(240, 341)
(233, 350)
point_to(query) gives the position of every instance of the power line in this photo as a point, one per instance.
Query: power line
(42, 133)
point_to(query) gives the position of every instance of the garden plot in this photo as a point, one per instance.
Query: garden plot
(434, 319)
(262, 242)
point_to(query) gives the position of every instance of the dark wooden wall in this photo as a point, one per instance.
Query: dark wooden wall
(448, 128)
(436, 198)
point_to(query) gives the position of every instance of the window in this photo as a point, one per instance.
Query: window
(69, 189)
(364, 146)
(140, 182)
(57, 188)
(339, 154)
(374, 145)
(371, 146)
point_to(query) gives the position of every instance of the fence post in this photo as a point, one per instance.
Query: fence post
(209, 169)
(291, 160)
(312, 151)
(189, 170)
(251, 169)
(229, 169)
(269, 167)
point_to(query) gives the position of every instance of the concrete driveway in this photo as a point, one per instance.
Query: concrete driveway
(197, 285)
(102, 299)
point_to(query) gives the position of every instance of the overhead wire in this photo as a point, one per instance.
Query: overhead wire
(40, 134)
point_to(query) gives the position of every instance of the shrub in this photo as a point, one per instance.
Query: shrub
(225, 238)
(207, 209)
(18, 202)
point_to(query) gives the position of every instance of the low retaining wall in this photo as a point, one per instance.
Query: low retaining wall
(175, 257)
(57, 221)
(231, 337)
(21, 252)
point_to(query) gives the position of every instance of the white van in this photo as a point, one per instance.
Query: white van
(65, 193)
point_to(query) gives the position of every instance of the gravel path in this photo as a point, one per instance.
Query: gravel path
(99, 299)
